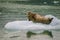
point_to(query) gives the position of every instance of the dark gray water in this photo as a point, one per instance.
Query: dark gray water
(13, 12)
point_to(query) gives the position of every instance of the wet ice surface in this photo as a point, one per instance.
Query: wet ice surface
(29, 25)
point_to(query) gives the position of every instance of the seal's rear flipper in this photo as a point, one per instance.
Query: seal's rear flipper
(50, 19)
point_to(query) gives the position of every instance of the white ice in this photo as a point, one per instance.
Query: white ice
(29, 25)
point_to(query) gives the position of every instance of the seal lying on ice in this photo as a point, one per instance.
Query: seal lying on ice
(38, 18)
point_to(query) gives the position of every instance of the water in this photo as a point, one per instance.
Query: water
(16, 12)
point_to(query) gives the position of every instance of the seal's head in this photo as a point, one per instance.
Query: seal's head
(31, 16)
